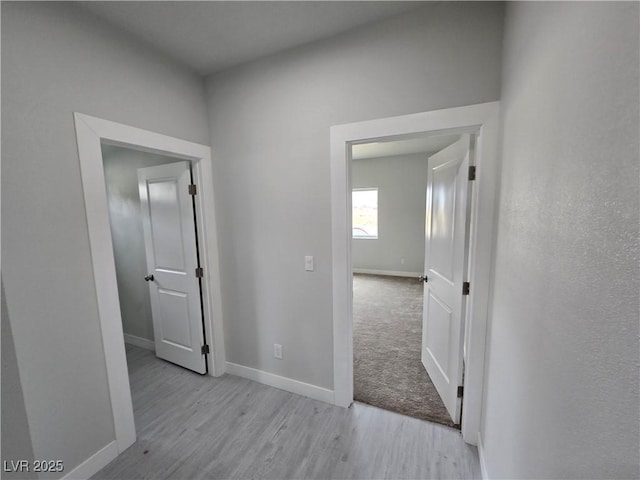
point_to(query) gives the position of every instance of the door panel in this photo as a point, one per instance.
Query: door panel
(442, 219)
(166, 225)
(446, 232)
(438, 333)
(172, 259)
(174, 316)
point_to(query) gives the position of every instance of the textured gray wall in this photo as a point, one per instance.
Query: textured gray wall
(402, 186)
(57, 59)
(270, 124)
(121, 176)
(562, 379)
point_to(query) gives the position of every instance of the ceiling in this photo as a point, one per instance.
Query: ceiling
(210, 36)
(427, 145)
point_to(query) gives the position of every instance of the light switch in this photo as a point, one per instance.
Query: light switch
(308, 263)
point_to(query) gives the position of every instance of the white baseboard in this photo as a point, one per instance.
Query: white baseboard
(283, 383)
(94, 463)
(140, 342)
(483, 465)
(389, 273)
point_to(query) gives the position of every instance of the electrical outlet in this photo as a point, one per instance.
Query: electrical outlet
(277, 351)
(402, 261)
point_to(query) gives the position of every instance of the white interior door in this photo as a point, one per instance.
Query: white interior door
(446, 234)
(172, 260)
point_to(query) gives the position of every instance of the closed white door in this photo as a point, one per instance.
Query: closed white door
(172, 260)
(446, 234)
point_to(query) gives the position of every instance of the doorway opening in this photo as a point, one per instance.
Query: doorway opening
(481, 121)
(91, 134)
(389, 212)
(154, 237)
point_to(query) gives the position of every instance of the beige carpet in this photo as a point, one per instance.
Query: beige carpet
(387, 336)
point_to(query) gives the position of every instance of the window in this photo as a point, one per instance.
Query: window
(365, 212)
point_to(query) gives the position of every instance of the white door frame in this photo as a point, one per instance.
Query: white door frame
(90, 133)
(481, 119)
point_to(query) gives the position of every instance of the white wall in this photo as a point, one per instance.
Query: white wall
(270, 124)
(121, 176)
(57, 59)
(402, 186)
(562, 375)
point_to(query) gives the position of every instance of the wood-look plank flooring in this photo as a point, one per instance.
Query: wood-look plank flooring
(198, 427)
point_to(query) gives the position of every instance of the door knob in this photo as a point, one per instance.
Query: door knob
(149, 278)
(423, 278)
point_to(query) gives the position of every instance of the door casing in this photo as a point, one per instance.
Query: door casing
(90, 133)
(481, 120)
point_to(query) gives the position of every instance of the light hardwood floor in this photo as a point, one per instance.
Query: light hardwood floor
(190, 426)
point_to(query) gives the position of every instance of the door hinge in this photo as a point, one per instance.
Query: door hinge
(472, 172)
(205, 349)
(466, 286)
(193, 190)
(199, 272)
(460, 391)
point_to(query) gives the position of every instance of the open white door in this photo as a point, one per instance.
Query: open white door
(172, 260)
(446, 237)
